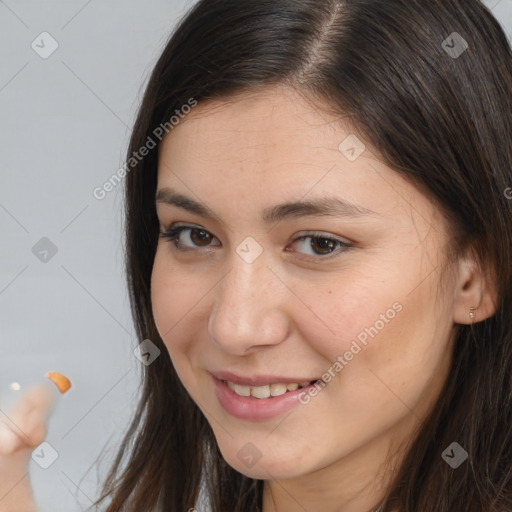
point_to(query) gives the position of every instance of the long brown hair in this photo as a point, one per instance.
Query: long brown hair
(428, 85)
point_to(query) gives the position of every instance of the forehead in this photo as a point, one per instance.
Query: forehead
(275, 146)
(274, 133)
(276, 115)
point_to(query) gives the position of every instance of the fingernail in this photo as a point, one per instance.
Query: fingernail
(61, 381)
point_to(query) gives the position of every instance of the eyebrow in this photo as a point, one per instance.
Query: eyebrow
(325, 206)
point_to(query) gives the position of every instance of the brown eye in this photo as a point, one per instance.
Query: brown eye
(323, 245)
(186, 238)
(200, 237)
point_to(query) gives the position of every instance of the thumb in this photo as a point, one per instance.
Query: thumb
(24, 425)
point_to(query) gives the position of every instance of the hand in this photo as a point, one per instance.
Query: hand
(22, 429)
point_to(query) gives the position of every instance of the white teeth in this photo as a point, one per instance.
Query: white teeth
(242, 390)
(277, 389)
(266, 391)
(260, 391)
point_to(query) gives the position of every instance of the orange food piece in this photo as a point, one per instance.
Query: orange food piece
(61, 381)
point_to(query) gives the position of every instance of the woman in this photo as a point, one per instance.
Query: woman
(321, 250)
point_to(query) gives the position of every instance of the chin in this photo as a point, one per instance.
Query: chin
(273, 467)
(262, 471)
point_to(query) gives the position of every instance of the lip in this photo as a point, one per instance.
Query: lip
(260, 380)
(255, 409)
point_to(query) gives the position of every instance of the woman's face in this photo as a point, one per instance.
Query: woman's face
(348, 295)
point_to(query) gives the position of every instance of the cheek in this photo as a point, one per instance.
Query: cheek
(370, 315)
(357, 313)
(176, 304)
(173, 296)
(375, 321)
(163, 291)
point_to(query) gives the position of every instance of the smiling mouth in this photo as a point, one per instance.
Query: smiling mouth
(269, 390)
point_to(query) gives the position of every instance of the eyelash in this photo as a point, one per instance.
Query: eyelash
(173, 233)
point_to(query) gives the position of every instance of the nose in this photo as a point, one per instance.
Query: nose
(249, 308)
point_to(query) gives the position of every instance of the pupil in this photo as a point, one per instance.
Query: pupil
(323, 243)
(203, 236)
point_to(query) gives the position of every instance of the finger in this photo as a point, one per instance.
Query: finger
(24, 425)
(37, 400)
(10, 442)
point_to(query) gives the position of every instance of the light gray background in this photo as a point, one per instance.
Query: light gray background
(64, 127)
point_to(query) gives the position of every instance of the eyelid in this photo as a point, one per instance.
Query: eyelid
(310, 232)
(324, 234)
(344, 246)
(175, 229)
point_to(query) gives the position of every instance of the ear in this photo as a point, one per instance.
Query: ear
(474, 289)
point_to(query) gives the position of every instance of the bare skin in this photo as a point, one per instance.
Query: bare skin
(22, 429)
(293, 311)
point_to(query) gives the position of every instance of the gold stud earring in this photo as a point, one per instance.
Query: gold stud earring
(472, 312)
